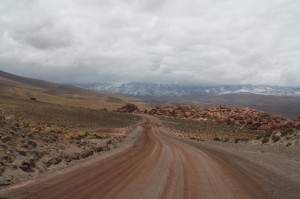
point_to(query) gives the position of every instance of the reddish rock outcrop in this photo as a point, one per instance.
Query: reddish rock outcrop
(243, 117)
(129, 108)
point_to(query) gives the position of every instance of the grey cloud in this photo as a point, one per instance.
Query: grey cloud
(151, 5)
(197, 42)
(45, 38)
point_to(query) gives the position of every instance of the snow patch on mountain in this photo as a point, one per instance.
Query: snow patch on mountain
(172, 90)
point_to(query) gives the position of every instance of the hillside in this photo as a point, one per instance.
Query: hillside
(26, 88)
(46, 126)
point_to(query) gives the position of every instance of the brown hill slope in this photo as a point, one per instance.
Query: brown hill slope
(26, 88)
(46, 126)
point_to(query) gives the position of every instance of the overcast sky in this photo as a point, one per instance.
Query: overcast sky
(167, 41)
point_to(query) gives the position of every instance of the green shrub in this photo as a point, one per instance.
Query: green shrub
(100, 137)
(288, 144)
(244, 140)
(265, 140)
(286, 132)
(275, 138)
(258, 137)
(25, 125)
(78, 137)
(217, 139)
(268, 134)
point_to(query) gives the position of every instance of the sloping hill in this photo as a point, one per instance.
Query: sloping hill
(26, 88)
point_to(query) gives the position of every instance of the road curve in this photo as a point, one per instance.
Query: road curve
(156, 166)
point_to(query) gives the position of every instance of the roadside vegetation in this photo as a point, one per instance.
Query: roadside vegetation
(209, 130)
(63, 116)
(70, 121)
(36, 136)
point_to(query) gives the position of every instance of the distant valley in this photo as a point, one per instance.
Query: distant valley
(284, 101)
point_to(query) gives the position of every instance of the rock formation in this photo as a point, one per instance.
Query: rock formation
(244, 117)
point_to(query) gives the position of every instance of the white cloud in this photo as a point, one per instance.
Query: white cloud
(207, 42)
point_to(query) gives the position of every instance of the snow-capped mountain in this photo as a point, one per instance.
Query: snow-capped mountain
(171, 90)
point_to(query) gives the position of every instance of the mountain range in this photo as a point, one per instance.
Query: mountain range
(284, 101)
(171, 90)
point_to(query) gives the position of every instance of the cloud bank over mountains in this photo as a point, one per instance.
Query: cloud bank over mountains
(190, 42)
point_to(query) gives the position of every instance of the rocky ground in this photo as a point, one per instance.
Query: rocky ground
(151, 162)
(30, 148)
(253, 123)
(26, 154)
(208, 130)
(243, 117)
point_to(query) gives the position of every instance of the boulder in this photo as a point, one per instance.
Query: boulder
(101, 148)
(9, 158)
(6, 139)
(86, 153)
(68, 158)
(129, 108)
(21, 152)
(28, 165)
(5, 182)
(31, 144)
(75, 156)
(52, 161)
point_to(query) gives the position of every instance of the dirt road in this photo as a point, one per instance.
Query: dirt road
(157, 165)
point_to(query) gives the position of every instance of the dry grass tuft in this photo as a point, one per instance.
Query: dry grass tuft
(208, 130)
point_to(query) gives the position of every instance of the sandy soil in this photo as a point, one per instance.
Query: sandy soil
(153, 163)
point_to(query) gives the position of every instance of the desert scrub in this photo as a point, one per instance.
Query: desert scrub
(268, 134)
(209, 129)
(265, 137)
(63, 115)
(275, 138)
(25, 124)
(288, 144)
(217, 139)
(259, 137)
(245, 140)
(265, 140)
(79, 136)
(100, 136)
(286, 132)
